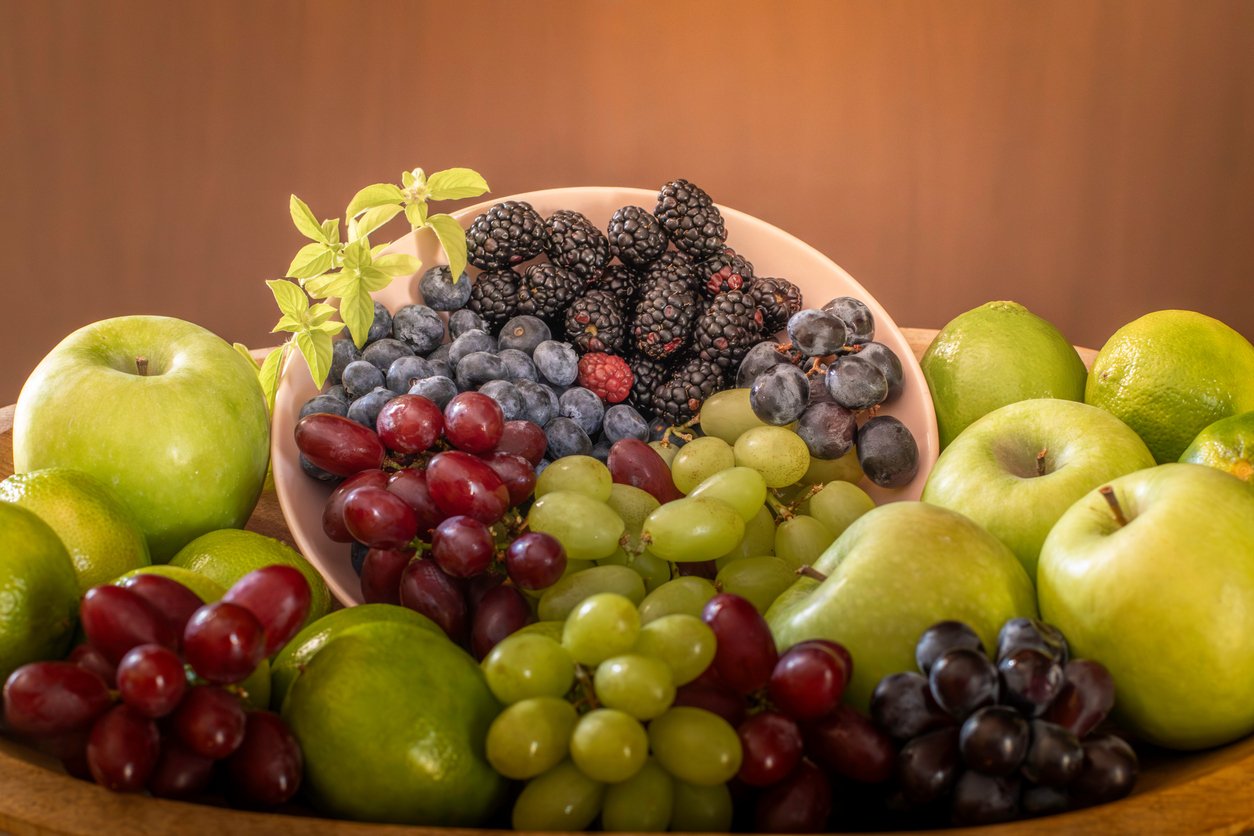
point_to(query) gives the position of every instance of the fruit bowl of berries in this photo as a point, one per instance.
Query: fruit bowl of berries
(591, 317)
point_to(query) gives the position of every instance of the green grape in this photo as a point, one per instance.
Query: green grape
(684, 642)
(800, 540)
(561, 598)
(653, 570)
(695, 745)
(759, 580)
(602, 626)
(581, 474)
(698, 809)
(727, 415)
(666, 450)
(526, 665)
(561, 799)
(531, 737)
(609, 745)
(759, 539)
(698, 459)
(777, 453)
(643, 803)
(573, 566)
(639, 685)
(585, 527)
(844, 469)
(691, 530)
(743, 488)
(552, 629)
(633, 506)
(838, 505)
(686, 594)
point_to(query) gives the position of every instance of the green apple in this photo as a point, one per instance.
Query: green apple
(1157, 584)
(895, 572)
(164, 412)
(1018, 468)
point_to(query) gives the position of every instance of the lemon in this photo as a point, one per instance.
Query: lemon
(227, 555)
(1169, 375)
(38, 590)
(93, 522)
(997, 354)
(1227, 444)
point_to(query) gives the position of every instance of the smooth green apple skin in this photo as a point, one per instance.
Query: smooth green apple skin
(896, 571)
(1166, 602)
(186, 446)
(989, 472)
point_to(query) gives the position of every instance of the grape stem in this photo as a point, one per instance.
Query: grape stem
(587, 698)
(678, 429)
(812, 573)
(1108, 494)
(777, 506)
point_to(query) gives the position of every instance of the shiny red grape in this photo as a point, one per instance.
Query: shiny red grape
(209, 721)
(523, 438)
(834, 647)
(807, 682)
(267, 767)
(151, 680)
(746, 653)
(801, 803)
(339, 445)
(426, 589)
(535, 560)
(167, 596)
(381, 575)
(179, 772)
(771, 746)
(632, 462)
(500, 612)
(90, 659)
(1085, 699)
(480, 585)
(333, 512)
(115, 619)
(278, 596)
(224, 642)
(463, 546)
(122, 749)
(379, 519)
(717, 699)
(517, 474)
(473, 422)
(43, 699)
(464, 484)
(411, 486)
(409, 424)
(851, 746)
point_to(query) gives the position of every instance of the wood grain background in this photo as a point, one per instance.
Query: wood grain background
(1093, 159)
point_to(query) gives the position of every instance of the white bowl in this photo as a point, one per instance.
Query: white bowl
(773, 252)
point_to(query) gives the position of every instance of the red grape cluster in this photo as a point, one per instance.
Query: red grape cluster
(796, 738)
(987, 741)
(152, 699)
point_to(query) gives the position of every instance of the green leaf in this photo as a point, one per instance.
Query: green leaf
(452, 239)
(331, 328)
(319, 314)
(243, 350)
(398, 264)
(316, 346)
(416, 214)
(305, 220)
(268, 374)
(408, 179)
(311, 260)
(288, 323)
(357, 253)
(334, 284)
(290, 298)
(378, 194)
(455, 183)
(332, 230)
(377, 217)
(373, 279)
(357, 311)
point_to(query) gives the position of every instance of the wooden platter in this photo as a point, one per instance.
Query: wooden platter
(1205, 792)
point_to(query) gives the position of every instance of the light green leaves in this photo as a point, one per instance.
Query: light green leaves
(379, 194)
(305, 221)
(268, 374)
(311, 324)
(452, 239)
(454, 184)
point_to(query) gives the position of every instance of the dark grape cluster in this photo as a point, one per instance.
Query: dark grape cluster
(986, 741)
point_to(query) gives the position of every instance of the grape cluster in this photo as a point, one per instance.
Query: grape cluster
(987, 741)
(153, 700)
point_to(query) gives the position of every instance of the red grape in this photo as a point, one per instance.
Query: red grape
(381, 575)
(71, 750)
(473, 422)
(746, 652)
(379, 519)
(180, 772)
(411, 486)
(517, 474)
(772, 747)
(409, 424)
(224, 642)
(707, 569)
(801, 803)
(167, 596)
(500, 612)
(632, 462)
(90, 659)
(463, 546)
(535, 560)
(480, 585)
(115, 619)
(278, 596)
(426, 589)
(333, 511)
(850, 745)
(122, 749)
(43, 699)
(151, 680)
(1085, 700)
(716, 699)
(807, 682)
(266, 768)
(524, 438)
(464, 484)
(837, 648)
(209, 721)
(338, 445)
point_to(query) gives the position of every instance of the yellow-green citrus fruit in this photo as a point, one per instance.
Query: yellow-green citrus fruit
(1227, 444)
(38, 590)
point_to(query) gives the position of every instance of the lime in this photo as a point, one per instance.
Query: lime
(1171, 374)
(93, 522)
(231, 553)
(392, 720)
(38, 590)
(298, 652)
(997, 354)
(207, 589)
(1227, 444)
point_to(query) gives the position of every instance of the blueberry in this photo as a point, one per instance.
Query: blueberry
(365, 410)
(859, 322)
(507, 395)
(323, 403)
(468, 343)
(557, 362)
(887, 451)
(888, 362)
(337, 392)
(439, 361)
(357, 555)
(519, 364)
(541, 466)
(436, 388)
(477, 368)
(381, 326)
(419, 327)
(760, 357)
(566, 438)
(383, 353)
(856, 383)
(601, 450)
(657, 431)
(316, 472)
(623, 421)
(524, 333)
(343, 352)
(779, 394)
(583, 407)
(459, 322)
(816, 333)
(405, 371)
(440, 291)
(827, 429)
(439, 353)
(540, 401)
(360, 377)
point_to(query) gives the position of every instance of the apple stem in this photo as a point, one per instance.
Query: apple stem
(812, 573)
(1040, 461)
(141, 366)
(1108, 494)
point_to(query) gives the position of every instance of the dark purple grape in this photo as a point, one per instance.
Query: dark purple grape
(759, 358)
(902, 705)
(1085, 700)
(962, 681)
(850, 745)
(1031, 633)
(816, 333)
(887, 361)
(500, 612)
(1054, 755)
(928, 766)
(942, 637)
(887, 452)
(856, 383)
(535, 560)
(779, 394)
(1030, 680)
(1108, 773)
(1044, 801)
(801, 803)
(984, 799)
(994, 740)
(827, 429)
(857, 317)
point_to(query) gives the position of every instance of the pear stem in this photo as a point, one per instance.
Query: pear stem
(1040, 461)
(141, 366)
(1108, 494)
(812, 573)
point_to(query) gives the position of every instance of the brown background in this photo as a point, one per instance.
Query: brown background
(1093, 160)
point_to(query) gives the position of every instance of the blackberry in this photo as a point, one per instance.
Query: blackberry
(636, 236)
(622, 281)
(728, 329)
(679, 396)
(672, 265)
(691, 219)
(663, 321)
(571, 241)
(728, 270)
(508, 233)
(546, 290)
(778, 298)
(594, 322)
(494, 296)
(649, 374)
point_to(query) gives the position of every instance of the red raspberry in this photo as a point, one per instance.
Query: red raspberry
(607, 375)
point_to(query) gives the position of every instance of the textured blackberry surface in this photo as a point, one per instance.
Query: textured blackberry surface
(494, 296)
(594, 322)
(690, 219)
(728, 270)
(679, 396)
(546, 290)
(662, 326)
(508, 233)
(649, 374)
(636, 236)
(778, 299)
(730, 326)
(674, 266)
(571, 241)
(623, 282)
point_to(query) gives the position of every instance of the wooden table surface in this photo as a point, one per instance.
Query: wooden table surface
(1208, 792)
